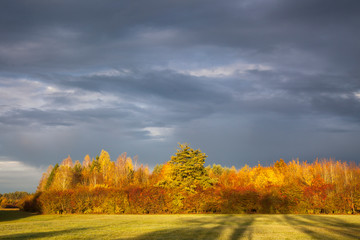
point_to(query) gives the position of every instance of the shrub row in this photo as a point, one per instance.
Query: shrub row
(158, 200)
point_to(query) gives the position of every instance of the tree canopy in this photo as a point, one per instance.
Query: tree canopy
(187, 168)
(184, 185)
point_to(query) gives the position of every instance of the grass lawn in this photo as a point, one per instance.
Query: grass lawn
(20, 225)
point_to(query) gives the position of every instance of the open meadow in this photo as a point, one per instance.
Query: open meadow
(21, 225)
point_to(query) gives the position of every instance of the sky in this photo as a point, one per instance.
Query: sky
(247, 82)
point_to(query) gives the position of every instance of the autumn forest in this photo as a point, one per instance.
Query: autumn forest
(185, 185)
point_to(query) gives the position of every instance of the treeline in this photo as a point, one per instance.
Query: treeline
(12, 200)
(184, 185)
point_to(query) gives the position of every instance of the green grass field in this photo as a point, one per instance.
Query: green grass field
(20, 225)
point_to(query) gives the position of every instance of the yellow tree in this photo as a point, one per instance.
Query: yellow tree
(141, 176)
(119, 174)
(129, 170)
(64, 175)
(106, 166)
(95, 172)
(44, 179)
(244, 176)
(87, 161)
(85, 171)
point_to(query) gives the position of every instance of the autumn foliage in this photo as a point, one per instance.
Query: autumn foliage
(184, 185)
(13, 200)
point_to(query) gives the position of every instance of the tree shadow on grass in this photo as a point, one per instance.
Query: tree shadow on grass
(332, 220)
(227, 227)
(11, 215)
(35, 235)
(332, 227)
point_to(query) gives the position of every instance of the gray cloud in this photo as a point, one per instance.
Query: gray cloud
(63, 34)
(245, 81)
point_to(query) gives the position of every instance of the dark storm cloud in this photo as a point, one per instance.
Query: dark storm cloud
(55, 117)
(159, 84)
(187, 97)
(245, 81)
(67, 34)
(29, 117)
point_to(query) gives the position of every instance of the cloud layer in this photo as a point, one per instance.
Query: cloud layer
(245, 81)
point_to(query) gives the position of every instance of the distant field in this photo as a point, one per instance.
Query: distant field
(20, 225)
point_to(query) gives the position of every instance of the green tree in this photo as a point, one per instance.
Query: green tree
(95, 171)
(187, 169)
(51, 177)
(77, 172)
